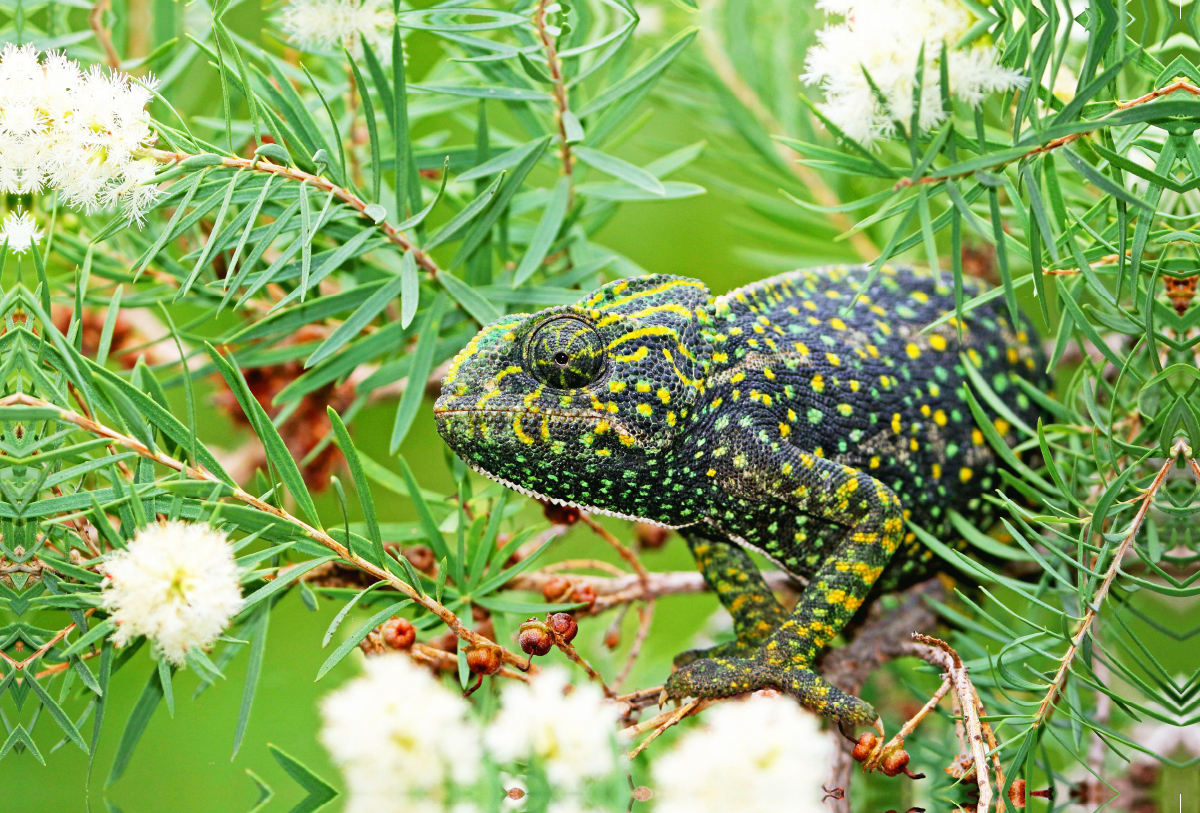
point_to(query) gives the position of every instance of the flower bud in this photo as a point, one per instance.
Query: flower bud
(563, 625)
(535, 638)
(865, 746)
(398, 633)
(483, 660)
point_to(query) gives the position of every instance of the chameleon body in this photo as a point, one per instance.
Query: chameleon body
(786, 417)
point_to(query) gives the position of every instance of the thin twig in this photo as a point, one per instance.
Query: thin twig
(425, 600)
(723, 67)
(316, 181)
(561, 97)
(96, 22)
(1093, 608)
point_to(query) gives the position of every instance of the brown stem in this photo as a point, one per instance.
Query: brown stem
(723, 67)
(318, 536)
(317, 182)
(96, 22)
(561, 98)
(1093, 608)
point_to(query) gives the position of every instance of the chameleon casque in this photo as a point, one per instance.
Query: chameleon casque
(767, 419)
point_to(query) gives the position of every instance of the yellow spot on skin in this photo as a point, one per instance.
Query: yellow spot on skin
(965, 474)
(875, 462)
(939, 417)
(602, 427)
(975, 357)
(912, 444)
(520, 432)
(818, 383)
(837, 324)
(1013, 355)
(664, 395)
(976, 437)
(720, 358)
(925, 410)
(604, 452)
(937, 471)
(642, 386)
(896, 423)
(784, 430)
(670, 419)
(833, 359)
(711, 472)
(854, 385)
(616, 386)
(937, 342)
(644, 409)
(912, 350)
(737, 377)
(767, 372)
(792, 415)
(1002, 426)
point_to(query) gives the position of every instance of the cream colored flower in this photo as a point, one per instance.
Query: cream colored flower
(884, 38)
(330, 25)
(398, 735)
(81, 132)
(176, 584)
(20, 232)
(569, 730)
(761, 755)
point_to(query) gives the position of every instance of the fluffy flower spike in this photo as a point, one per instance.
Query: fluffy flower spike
(569, 733)
(20, 232)
(82, 132)
(330, 25)
(176, 583)
(760, 755)
(884, 38)
(398, 735)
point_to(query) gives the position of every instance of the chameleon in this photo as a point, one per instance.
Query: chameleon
(805, 417)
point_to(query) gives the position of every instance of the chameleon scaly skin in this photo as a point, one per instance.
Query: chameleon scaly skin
(767, 418)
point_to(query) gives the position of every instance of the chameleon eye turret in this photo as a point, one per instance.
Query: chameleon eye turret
(565, 352)
(790, 417)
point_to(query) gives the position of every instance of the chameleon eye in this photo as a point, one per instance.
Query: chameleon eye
(565, 353)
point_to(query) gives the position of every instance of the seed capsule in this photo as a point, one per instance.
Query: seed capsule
(398, 633)
(535, 638)
(866, 744)
(895, 762)
(483, 660)
(563, 625)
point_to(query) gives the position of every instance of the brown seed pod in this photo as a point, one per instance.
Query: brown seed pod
(515, 794)
(535, 638)
(398, 633)
(560, 514)
(483, 660)
(555, 588)
(612, 637)
(866, 744)
(421, 557)
(651, 537)
(584, 593)
(563, 625)
(894, 762)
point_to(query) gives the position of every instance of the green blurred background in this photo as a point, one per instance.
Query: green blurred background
(742, 230)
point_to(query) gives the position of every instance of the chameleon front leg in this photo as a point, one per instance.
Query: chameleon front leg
(732, 575)
(873, 519)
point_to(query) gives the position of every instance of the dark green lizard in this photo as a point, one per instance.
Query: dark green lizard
(768, 418)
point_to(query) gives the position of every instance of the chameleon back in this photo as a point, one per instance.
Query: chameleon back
(865, 389)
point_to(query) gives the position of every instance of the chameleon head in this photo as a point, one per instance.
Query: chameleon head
(572, 403)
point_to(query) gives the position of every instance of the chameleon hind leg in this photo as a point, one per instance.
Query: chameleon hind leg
(733, 576)
(873, 520)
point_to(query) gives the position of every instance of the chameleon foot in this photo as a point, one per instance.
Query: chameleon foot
(711, 678)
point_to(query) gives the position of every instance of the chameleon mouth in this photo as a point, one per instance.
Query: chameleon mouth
(591, 509)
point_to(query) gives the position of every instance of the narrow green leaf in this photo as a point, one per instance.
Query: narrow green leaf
(422, 365)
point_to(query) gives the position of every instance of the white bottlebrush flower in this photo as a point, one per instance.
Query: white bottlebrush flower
(330, 25)
(176, 583)
(398, 734)
(82, 132)
(761, 755)
(569, 731)
(20, 232)
(884, 38)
